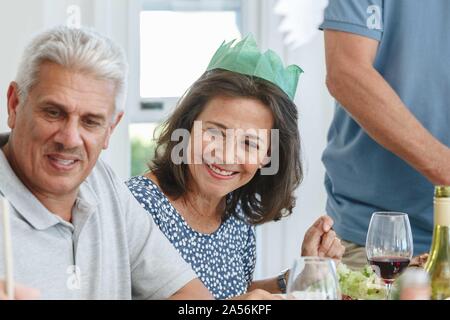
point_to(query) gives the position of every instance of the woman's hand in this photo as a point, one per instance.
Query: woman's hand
(321, 241)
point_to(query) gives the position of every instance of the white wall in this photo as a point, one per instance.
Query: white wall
(279, 243)
(315, 113)
(19, 19)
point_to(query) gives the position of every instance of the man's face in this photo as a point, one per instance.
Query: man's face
(60, 130)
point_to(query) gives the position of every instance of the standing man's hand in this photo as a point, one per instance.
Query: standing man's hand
(21, 292)
(321, 240)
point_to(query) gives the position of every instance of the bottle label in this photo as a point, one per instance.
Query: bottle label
(442, 211)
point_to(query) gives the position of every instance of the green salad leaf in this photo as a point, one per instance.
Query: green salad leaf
(363, 284)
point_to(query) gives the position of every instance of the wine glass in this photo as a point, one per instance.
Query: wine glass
(389, 245)
(313, 278)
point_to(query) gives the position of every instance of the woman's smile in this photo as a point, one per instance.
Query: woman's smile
(220, 173)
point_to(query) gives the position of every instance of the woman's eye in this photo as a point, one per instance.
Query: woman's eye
(251, 144)
(215, 132)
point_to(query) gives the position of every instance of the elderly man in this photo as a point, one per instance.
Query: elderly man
(77, 231)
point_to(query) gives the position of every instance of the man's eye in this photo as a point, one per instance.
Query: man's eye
(92, 123)
(53, 113)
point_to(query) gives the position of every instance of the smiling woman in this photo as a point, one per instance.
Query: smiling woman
(206, 206)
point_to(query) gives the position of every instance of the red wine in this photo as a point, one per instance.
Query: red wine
(388, 267)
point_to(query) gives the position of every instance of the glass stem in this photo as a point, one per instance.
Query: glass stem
(388, 290)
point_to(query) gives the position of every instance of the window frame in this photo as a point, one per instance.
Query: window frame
(250, 23)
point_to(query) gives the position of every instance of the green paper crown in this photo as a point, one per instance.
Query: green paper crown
(246, 58)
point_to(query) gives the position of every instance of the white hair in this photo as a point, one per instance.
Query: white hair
(80, 50)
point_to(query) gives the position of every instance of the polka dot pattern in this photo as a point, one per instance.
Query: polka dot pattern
(224, 260)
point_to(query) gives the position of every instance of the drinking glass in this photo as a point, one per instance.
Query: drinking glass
(313, 278)
(389, 245)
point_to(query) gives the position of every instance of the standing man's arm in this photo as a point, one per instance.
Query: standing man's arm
(371, 101)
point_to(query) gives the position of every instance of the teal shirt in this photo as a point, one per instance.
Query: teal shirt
(414, 58)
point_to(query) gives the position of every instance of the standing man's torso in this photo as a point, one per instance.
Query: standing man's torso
(414, 58)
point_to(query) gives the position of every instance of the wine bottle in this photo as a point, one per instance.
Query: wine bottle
(438, 265)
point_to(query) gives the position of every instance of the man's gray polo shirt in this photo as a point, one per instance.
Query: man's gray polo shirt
(111, 250)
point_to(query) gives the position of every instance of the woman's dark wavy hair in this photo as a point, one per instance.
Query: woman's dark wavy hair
(264, 198)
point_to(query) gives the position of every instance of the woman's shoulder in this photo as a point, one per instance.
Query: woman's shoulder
(142, 183)
(145, 191)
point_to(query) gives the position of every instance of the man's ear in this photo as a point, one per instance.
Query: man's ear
(111, 128)
(13, 104)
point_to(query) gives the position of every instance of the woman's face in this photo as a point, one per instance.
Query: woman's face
(230, 141)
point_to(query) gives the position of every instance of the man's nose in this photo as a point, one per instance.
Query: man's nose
(69, 134)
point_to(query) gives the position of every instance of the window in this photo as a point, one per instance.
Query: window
(172, 59)
(177, 39)
(143, 146)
